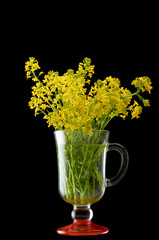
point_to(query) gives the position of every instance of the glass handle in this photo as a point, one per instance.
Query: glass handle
(124, 164)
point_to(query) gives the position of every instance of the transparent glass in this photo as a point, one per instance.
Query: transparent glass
(82, 175)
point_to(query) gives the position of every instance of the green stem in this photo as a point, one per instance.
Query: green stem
(43, 112)
(131, 95)
(82, 168)
(84, 161)
(71, 178)
(106, 123)
(90, 166)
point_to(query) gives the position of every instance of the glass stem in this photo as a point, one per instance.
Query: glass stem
(82, 213)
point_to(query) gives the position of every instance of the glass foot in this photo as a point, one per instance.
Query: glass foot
(82, 228)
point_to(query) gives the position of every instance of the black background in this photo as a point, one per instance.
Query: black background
(120, 44)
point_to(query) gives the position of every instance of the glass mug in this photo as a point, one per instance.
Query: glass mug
(82, 175)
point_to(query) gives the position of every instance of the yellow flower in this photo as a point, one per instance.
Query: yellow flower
(146, 102)
(67, 104)
(136, 110)
(31, 66)
(143, 83)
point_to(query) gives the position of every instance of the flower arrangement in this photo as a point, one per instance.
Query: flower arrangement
(67, 104)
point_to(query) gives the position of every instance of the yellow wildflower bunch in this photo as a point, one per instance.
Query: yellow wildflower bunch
(143, 83)
(67, 104)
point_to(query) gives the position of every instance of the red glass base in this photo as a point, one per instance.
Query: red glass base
(82, 228)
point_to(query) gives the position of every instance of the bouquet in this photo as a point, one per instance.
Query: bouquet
(71, 103)
(66, 103)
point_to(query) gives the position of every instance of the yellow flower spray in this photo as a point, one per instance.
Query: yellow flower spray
(66, 103)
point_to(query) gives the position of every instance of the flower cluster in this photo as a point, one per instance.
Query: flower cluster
(67, 104)
(143, 84)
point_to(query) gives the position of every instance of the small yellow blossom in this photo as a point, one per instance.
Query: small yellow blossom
(136, 110)
(146, 102)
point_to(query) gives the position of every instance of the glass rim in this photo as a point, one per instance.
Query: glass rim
(94, 130)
